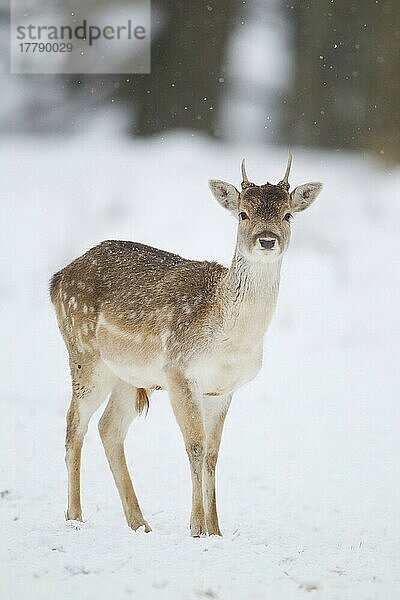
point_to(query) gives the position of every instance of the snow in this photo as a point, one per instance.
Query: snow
(308, 472)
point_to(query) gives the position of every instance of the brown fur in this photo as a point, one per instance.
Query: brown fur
(126, 282)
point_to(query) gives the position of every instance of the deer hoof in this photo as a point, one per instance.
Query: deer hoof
(198, 530)
(138, 524)
(214, 531)
(73, 515)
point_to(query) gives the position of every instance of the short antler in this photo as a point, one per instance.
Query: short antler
(285, 181)
(245, 181)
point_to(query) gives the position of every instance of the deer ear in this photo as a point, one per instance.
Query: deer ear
(304, 195)
(226, 194)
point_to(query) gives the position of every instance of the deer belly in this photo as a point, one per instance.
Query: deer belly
(134, 358)
(148, 377)
(220, 376)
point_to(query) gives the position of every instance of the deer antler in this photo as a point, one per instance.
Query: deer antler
(285, 181)
(245, 182)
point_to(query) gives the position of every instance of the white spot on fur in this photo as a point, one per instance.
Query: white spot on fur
(72, 303)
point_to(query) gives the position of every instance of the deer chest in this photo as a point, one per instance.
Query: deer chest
(223, 371)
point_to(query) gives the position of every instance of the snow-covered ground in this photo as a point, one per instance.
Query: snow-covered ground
(309, 469)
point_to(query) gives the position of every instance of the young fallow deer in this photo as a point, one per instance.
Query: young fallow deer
(136, 319)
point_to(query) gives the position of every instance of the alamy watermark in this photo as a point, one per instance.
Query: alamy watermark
(90, 38)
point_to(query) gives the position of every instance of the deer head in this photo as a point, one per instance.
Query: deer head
(264, 212)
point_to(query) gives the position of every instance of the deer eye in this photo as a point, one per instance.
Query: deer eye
(287, 217)
(243, 216)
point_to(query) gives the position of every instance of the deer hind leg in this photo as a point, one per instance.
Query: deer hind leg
(91, 383)
(214, 413)
(186, 403)
(120, 411)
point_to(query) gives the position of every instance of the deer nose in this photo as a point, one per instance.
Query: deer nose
(267, 243)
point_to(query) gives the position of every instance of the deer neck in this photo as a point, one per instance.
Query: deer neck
(250, 292)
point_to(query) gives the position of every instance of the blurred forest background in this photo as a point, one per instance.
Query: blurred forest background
(319, 73)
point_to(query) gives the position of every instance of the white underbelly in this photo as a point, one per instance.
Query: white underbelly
(133, 357)
(143, 376)
(214, 375)
(139, 360)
